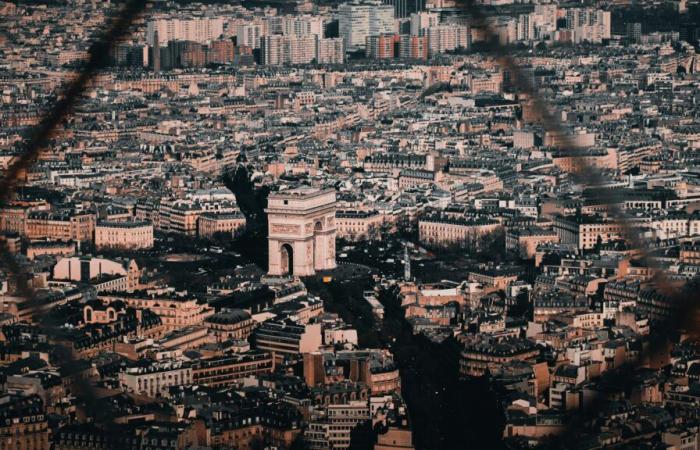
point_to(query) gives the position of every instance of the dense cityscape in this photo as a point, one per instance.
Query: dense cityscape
(363, 224)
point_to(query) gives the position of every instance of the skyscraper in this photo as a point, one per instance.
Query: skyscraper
(634, 31)
(404, 8)
(156, 53)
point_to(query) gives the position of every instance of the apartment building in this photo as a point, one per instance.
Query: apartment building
(123, 235)
(155, 379)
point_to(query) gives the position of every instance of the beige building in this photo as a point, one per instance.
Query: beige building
(121, 275)
(155, 379)
(62, 227)
(395, 438)
(182, 216)
(524, 241)
(357, 225)
(415, 177)
(12, 219)
(53, 248)
(445, 231)
(229, 370)
(24, 425)
(230, 324)
(175, 312)
(124, 235)
(288, 339)
(586, 231)
(182, 339)
(302, 231)
(211, 223)
(332, 429)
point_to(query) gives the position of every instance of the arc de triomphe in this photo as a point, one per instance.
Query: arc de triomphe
(301, 227)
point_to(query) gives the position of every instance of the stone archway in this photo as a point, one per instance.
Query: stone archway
(287, 259)
(317, 249)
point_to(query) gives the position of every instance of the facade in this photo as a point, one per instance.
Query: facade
(301, 226)
(413, 47)
(210, 224)
(195, 29)
(182, 216)
(333, 431)
(287, 339)
(175, 312)
(184, 338)
(382, 46)
(443, 38)
(124, 235)
(24, 425)
(60, 226)
(249, 34)
(330, 51)
(227, 371)
(484, 354)
(53, 248)
(524, 241)
(278, 50)
(358, 225)
(156, 379)
(444, 231)
(586, 231)
(122, 275)
(230, 324)
(357, 21)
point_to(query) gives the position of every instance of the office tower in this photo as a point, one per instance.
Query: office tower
(156, 52)
(353, 25)
(634, 31)
(400, 7)
(381, 20)
(357, 21)
(404, 8)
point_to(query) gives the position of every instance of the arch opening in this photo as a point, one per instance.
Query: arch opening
(287, 259)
